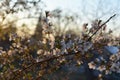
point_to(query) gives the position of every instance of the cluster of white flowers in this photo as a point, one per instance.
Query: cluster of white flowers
(115, 67)
(115, 57)
(76, 44)
(112, 65)
(115, 64)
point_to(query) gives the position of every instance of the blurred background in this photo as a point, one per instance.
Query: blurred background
(25, 15)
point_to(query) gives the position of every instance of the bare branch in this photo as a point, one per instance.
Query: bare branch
(42, 61)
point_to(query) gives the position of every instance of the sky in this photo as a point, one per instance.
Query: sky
(75, 5)
(89, 9)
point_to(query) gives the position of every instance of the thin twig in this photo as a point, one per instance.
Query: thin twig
(100, 27)
(40, 62)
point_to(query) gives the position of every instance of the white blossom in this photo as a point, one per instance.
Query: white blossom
(101, 68)
(40, 51)
(92, 65)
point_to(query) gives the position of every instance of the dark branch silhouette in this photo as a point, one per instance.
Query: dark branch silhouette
(99, 27)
